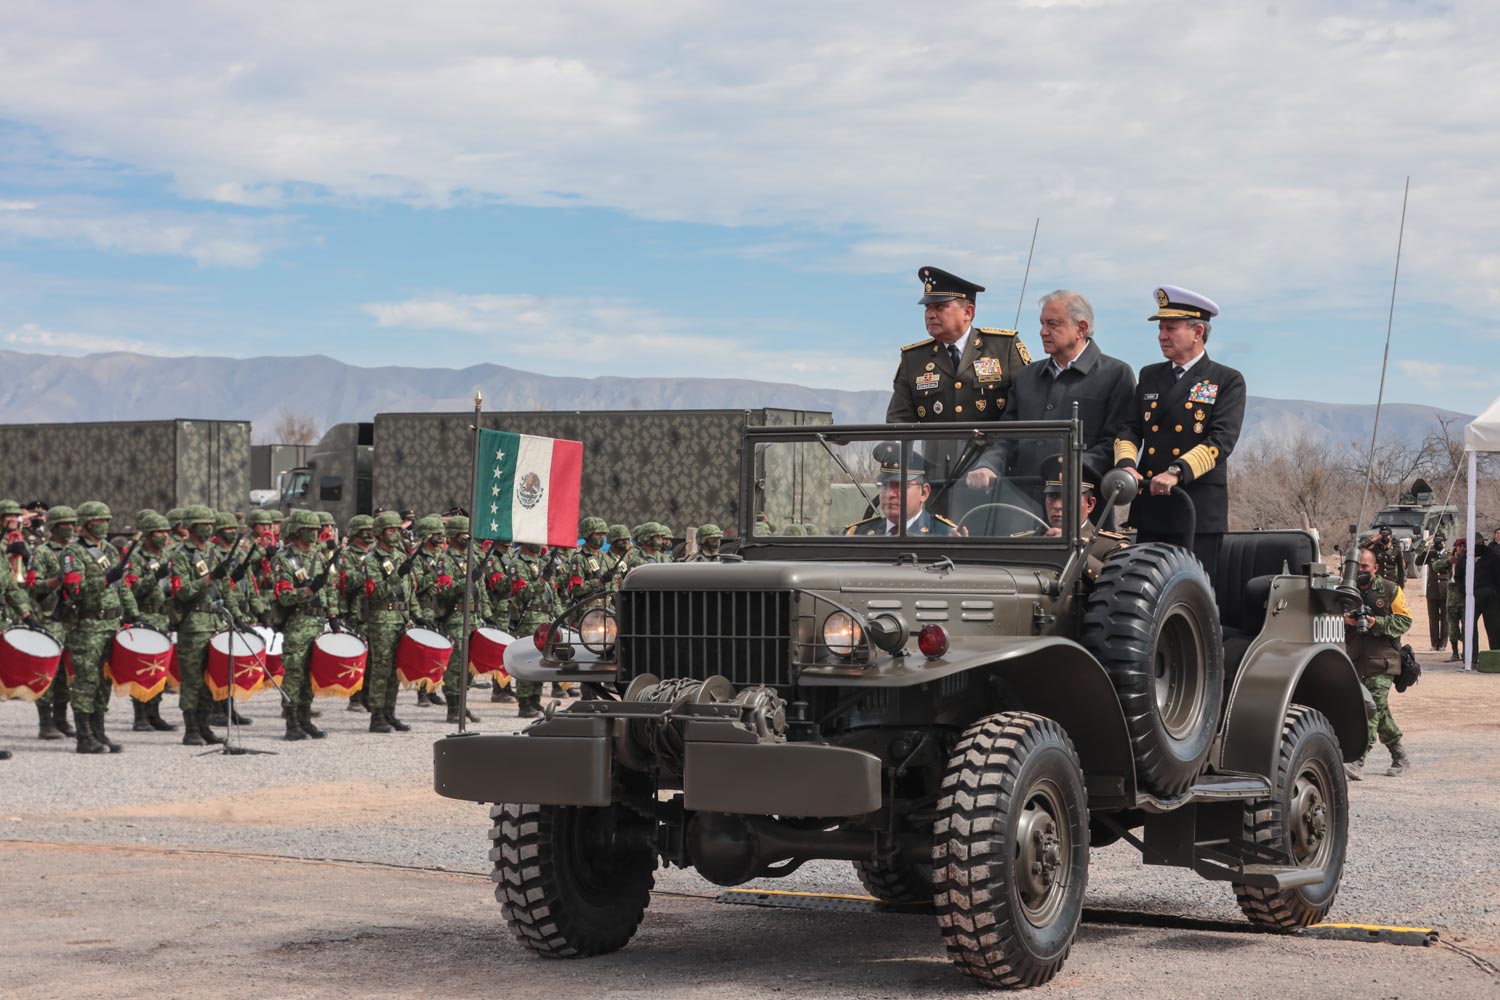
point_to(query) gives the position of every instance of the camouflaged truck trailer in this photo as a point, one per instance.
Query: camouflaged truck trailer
(960, 707)
(130, 464)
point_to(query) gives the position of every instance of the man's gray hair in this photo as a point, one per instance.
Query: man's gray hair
(1207, 327)
(1079, 310)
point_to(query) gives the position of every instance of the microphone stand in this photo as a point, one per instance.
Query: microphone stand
(230, 747)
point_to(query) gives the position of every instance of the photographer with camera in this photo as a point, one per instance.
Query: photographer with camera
(1372, 636)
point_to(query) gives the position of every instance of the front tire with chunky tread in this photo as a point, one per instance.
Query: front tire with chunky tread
(1011, 850)
(561, 893)
(897, 882)
(1307, 817)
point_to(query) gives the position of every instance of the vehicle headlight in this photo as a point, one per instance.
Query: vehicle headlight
(597, 630)
(842, 634)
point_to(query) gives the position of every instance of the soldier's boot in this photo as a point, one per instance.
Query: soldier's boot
(304, 719)
(46, 729)
(239, 720)
(209, 736)
(356, 704)
(529, 708)
(557, 690)
(1455, 658)
(1400, 764)
(423, 699)
(85, 736)
(97, 722)
(378, 723)
(436, 697)
(395, 723)
(60, 718)
(293, 730)
(453, 711)
(469, 714)
(217, 716)
(1355, 770)
(190, 735)
(153, 716)
(139, 724)
(501, 693)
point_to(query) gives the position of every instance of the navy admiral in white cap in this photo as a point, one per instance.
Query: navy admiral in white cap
(960, 374)
(1185, 424)
(919, 521)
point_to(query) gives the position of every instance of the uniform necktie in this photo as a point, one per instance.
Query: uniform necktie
(1177, 372)
(953, 355)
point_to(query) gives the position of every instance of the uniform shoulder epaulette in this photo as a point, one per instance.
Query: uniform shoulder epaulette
(939, 517)
(920, 343)
(849, 530)
(996, 329)
(1111, 534)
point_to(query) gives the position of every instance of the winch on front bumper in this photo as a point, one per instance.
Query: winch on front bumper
(726, 750)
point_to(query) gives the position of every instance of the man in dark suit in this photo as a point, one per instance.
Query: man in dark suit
(1184, 425)
(959, 374)
(919, 521)
(1074, 371)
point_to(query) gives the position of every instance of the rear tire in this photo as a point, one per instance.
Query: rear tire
(1307, 817)
(1010, 850)
(896, 882)
(565, 886)
(1151, 620)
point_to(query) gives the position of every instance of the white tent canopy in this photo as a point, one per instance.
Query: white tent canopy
(1480, 436)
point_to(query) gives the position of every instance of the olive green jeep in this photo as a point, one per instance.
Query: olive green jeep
(960, 694)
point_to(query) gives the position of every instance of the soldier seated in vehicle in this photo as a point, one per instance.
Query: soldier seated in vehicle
(1101, 543)
(916, 492)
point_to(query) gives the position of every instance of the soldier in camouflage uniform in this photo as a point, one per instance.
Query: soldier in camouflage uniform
(1376, 653)
(453, 577)
(93, 619)
(236, 593)
(302, 589)
(584, 566)
(15, 608)
(277, 519)
(616, 559)
(358, 540)
(710, 537)
(495, 573)
(193, 587)
(1388, 557)
(385, 578)
(44, 582)
(146, 568)
(534, 596)
(1435, 556)
(652, 545)
(426, 585)
(175, 518)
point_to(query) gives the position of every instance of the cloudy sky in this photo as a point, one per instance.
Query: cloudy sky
(689, 188)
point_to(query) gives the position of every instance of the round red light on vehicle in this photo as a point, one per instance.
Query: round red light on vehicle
(932, 641)
(540, 636)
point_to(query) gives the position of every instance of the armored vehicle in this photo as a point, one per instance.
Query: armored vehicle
(959, 694)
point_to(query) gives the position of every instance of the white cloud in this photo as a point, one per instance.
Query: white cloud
(1440, 375)
(34, 337)
(1243, 148)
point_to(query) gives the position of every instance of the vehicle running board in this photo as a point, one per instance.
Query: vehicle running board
(1210, 788)
(1273, 873)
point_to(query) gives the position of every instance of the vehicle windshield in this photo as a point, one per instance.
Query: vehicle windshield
(1400, 519)
(965, 484)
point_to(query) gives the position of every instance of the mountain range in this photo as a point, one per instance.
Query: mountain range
(43, 388)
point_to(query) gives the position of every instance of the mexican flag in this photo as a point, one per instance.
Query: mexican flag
(526, 489)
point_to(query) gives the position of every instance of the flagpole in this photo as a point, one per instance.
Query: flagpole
(469, 583)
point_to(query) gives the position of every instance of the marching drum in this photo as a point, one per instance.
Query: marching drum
(422, 658)
(28, 662)
(272, 639)
(336, 667)
(487, 652)
(139, 662)
(248, 650)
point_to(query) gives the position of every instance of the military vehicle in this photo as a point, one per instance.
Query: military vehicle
(130, 464)
(1416, 516)
(960, 709)
(269, 464)
(639, 465)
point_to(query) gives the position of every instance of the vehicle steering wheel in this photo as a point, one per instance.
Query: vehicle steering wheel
(1001, 506)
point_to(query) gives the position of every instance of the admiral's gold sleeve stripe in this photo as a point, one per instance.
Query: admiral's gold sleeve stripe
(1200, 459)
(1126, 449)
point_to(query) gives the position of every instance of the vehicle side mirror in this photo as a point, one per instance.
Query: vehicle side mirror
(1118, 488)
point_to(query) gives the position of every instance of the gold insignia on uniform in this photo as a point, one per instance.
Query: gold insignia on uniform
(593, 565)
(1198, 428)
(1161, 298)
(300, 575)
(927, 287)
(923, 530)
(921, 411)
(980, 403)
(999, 405)
(959, 408)
(931, 365)
(937, 407)
(1200, 415)
(153, 565)
(388, 567)
(201, 567)
(1023, 352)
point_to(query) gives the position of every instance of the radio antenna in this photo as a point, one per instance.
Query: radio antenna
(1027, 276)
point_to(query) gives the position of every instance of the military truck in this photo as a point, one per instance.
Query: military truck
(336, 475)
(959, 709)
(1414, 519)
(130, 464)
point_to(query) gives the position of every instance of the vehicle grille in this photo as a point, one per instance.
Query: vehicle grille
(743, 635)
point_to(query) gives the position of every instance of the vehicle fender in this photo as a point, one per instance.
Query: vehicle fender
(1275, 675)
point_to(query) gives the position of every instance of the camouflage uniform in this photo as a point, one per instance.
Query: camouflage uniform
(648, 545)
(535, 603)
(1376, 655)
(93, 619)
(494, 574)
(449, 609)
(358, 541)
(585, 566)
(194, 590)
(428, 587)
(44, 583)
(616, 560)
(384, 575)
(709, 538)
(300, 583)
(146, 567)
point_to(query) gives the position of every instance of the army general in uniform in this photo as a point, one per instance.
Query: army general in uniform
(1182, 429)
(960, 374)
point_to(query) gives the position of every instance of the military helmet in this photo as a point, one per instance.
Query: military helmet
(387, 519)
(141, 515)
(618, 533)
(429, 525)
(361, 522)
(150, 520)
(9, 507)
(302, 519)
(458, 525)
(792, 530)
(258, 516)
(593, 526)
(225, 519)
(643, 531)
(325, 519)
(197, 514)
(93, 510)
(61, 514)
(710, 531)
(277, 517)
(175, 516)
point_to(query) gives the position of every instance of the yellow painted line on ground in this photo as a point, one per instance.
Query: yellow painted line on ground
(1377, 927)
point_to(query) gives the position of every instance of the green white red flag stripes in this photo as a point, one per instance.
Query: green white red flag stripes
(526, 489)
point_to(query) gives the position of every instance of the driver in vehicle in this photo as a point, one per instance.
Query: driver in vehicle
(917, 490)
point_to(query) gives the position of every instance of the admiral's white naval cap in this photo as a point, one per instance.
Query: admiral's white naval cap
(1179, 303)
